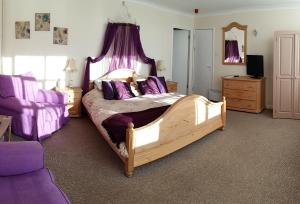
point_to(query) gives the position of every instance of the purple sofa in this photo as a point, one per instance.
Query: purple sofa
(23, 177)
(36, 113)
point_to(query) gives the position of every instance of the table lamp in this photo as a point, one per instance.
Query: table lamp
(70, 67)
(160, 66)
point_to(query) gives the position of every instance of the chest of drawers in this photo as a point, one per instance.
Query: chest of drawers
(244, 93)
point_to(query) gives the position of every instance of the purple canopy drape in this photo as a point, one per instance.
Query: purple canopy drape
(232, 51)
(123, 44)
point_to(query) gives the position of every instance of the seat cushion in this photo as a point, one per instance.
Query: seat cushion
(31, 188)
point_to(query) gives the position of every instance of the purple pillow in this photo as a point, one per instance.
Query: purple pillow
(148, 87)
(23, 86)
(122, 90)
(30, 86)
(6, 86)
(160, 82)
(108, 90)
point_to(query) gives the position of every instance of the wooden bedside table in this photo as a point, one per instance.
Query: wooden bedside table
(74, 100)
(172, 86)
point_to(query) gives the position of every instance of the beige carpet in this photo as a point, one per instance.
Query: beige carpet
(255, 160)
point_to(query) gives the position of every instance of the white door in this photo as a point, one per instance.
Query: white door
(296, 111)
(283, 73)
(203, 61)
(180, 64)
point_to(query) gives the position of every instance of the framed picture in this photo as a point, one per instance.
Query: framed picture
(42, 22)
(22, 29)
(60, 36)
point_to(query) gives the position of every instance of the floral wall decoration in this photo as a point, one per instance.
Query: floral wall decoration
(42, 22)
(60, 36)
(22, 29)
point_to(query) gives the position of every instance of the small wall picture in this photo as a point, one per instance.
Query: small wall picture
(22, 29)
(60, 36)
(42, 22)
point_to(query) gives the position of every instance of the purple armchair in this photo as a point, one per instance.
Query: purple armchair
(23, 177)
(36, 113)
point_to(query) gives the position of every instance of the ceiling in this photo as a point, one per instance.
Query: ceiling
(208, 7)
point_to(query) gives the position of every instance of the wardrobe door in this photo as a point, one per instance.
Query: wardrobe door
(284, 64)
(296, 80)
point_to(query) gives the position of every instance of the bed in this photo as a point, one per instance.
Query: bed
(188, 119)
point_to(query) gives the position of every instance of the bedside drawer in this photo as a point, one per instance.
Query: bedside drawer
(240, 103)
(72, 100)
(172, 89)
(72, 94)
(240, 94)
(171, 86)
(74, 109)
(249, 86)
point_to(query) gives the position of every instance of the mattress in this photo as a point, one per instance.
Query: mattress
(100, 109)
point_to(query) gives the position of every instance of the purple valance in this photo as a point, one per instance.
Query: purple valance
(123, 45)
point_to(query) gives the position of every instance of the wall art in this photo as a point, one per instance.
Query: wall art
(60, 36)
(22, 29)
(42, 21)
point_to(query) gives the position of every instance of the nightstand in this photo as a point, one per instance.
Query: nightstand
(172, 86)
(74, 100)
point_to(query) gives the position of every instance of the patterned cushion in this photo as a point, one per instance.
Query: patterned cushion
(148, 86)
(160, 82)
(108, 90)
(122, 90)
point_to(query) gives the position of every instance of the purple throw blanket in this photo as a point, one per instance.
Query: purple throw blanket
(117, 124)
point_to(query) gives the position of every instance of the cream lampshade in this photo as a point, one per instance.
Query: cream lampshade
(70, 67)
(160, 65)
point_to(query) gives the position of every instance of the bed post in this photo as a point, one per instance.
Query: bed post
(223, 113)
(130, 148)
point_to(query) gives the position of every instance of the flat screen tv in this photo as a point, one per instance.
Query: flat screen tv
(255, 66)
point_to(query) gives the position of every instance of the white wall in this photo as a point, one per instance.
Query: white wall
(86, 21)
(265, 22)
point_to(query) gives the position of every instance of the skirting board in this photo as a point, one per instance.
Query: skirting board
(269, 106)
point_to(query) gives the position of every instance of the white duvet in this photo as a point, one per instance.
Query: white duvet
(100, 109)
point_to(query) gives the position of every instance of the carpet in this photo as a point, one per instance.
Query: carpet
(256, 159)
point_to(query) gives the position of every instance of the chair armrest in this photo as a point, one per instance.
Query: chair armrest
(20, 157)
(50, 96)
(20, 106)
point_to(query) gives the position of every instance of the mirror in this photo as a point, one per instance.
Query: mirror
(234, 44)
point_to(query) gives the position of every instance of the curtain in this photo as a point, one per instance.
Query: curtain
(123, 45)
(232, 51)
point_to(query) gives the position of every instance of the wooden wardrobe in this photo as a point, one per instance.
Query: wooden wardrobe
(286, 75)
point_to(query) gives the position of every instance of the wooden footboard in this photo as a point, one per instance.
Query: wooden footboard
(189, 119)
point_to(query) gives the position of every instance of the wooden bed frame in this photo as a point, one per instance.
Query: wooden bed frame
(187, 120)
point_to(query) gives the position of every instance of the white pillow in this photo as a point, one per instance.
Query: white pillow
(98, 84)
(134, 88)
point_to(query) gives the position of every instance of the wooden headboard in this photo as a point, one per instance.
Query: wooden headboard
(120, 74)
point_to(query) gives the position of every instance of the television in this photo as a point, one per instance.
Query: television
(255, 66)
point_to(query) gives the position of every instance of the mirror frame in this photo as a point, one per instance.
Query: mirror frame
(227, 28)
